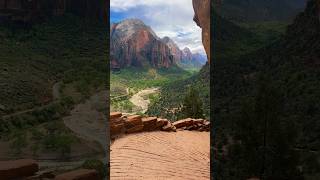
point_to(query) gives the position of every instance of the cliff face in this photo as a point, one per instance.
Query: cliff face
(202, 18)
(174, 49)
(187, 55)
(28, 11)
(132, 43)
(184, 58)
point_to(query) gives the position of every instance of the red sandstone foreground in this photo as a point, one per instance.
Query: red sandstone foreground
(154, 148)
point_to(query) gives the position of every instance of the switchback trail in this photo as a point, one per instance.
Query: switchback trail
(87, 120)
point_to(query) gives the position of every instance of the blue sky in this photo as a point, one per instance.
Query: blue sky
(172, 18)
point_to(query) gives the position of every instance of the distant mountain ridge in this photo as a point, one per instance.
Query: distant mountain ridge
(132, 43)
(185, 58)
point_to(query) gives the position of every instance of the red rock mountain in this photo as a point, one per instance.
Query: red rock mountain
(132, 43)
(174, 49)
(187, 55)
(184, 58)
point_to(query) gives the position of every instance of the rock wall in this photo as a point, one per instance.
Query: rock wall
(202, 18)
(132, 43)
(18, 168)
(31, 10)
(29, 169)
(121, 124)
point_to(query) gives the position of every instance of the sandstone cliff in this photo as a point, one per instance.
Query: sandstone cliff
(132, 43)
(184, 58)
(202, 18)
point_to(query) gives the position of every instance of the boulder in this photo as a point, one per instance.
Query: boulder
(206, 124)
(198, 121)
(135, 129)
(116, 129)
(114, 115)
(18, 168)
(116, 121)
(149, 123)
(132, 121)
(183, 123)
(161, 122)
(169, 127)
(80, 174)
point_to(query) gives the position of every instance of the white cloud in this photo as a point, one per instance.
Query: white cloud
(172, 18)
(124, 5)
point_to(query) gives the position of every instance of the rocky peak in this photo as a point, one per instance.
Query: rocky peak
(174, 49)
(127, 28)
(187, 51)
(132, 43)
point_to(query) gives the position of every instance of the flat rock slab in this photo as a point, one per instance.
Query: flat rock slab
(114, 115)
(18, 168)
(183, 123)
(132, 121)
(80, 174)
(178, 155)
(149, 123)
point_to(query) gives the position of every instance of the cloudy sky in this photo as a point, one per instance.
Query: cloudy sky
(172, 18)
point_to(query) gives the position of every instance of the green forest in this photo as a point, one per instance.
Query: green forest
(47, 68)
(266, 99)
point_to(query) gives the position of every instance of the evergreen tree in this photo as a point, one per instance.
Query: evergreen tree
(264, 138)
(192, 105)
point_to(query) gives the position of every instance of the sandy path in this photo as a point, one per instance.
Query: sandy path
(161, 155)
(56, 91)
(55, 96)
(87, 122)
(138, 100)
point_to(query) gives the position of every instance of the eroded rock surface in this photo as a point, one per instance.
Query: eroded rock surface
(202, 18)
(181, 155)
(18, 168)
(120, 124)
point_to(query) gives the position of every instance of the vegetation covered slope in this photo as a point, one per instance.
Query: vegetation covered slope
(34, 58)
(259, 10)
(46, 69)
(231, 41)
(266, 106)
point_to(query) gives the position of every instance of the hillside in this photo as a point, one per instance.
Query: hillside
(53, 73)
(281, 77)
(32, 12)
(34, 59)
(232, 41)
(259, 10)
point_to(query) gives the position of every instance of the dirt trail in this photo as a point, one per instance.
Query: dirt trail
(161, 155)
(56, 91)
(88, 121)
(139, 100)
(55, 96)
